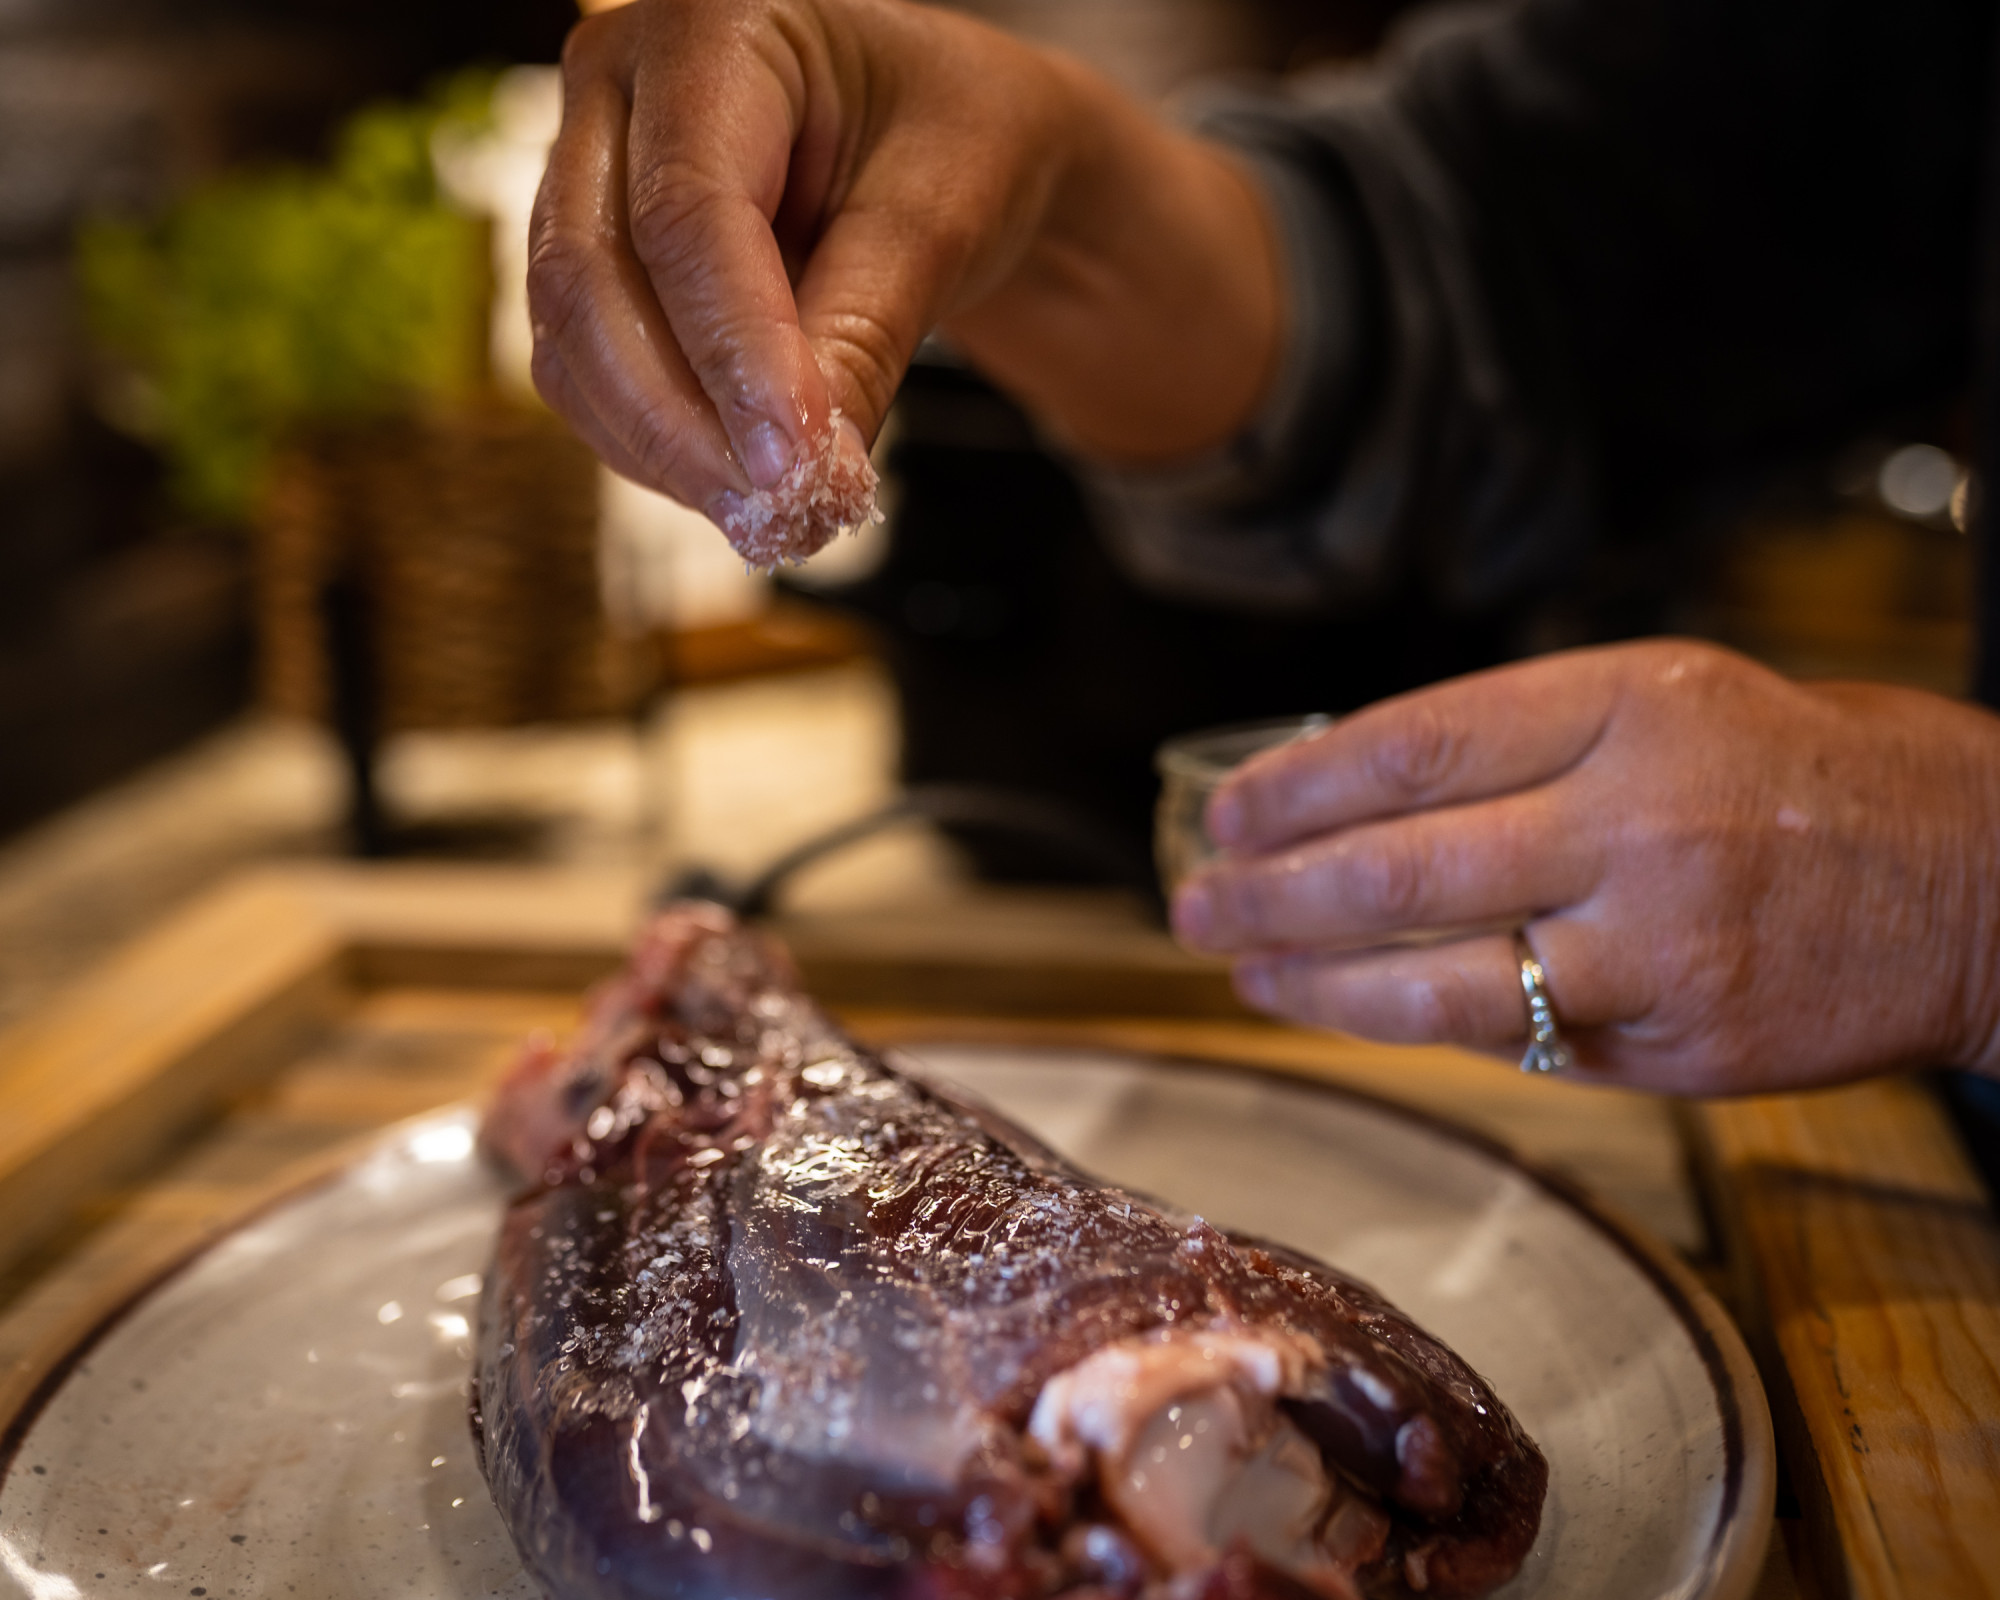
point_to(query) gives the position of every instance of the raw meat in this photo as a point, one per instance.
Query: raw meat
(773, 1321)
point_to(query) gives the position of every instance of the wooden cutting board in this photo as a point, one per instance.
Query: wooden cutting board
(262, 1034)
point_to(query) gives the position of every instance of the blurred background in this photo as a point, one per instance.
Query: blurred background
(292, 564)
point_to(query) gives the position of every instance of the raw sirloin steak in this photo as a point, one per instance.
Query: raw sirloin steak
(770, 1320)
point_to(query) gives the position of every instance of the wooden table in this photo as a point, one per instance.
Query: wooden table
(265, 1032)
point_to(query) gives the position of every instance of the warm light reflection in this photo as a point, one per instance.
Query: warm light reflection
(450, 1325)
(1918, 480)
(439, 1145)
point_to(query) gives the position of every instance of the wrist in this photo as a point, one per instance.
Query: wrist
(1923, 776)
(1143, 320)
(1980, 1040)
(1972, 868)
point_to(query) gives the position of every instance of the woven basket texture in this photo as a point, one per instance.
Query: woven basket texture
(472, 539)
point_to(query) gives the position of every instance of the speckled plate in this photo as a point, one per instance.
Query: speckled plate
(286, 1414)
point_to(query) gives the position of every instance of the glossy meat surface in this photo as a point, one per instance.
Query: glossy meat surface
(771, 1320)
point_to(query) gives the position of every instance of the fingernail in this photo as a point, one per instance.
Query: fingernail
(1194, 913)
(767, 454)
(1257, 984)
(1225, 819)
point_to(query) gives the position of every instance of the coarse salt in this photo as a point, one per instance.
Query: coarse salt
(821, 495)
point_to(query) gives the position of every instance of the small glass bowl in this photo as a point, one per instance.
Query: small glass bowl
(1191, 766)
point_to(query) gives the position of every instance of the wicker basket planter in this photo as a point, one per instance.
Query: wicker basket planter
(456, 555)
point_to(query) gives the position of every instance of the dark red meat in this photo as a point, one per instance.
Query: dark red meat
(773, 1321)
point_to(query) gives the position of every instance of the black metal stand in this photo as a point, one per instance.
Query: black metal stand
(353, 692)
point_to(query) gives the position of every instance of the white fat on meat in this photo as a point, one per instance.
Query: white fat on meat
(1190, 1451)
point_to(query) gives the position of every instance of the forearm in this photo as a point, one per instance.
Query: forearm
(1144, 319)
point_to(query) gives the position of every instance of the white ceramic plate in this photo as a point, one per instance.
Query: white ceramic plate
(286, 1414)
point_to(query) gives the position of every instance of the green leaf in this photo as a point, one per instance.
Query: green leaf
(269, 301)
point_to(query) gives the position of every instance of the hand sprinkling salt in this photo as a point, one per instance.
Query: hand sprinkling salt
(823, 494)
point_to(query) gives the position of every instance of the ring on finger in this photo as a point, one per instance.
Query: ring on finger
(1547, 1050)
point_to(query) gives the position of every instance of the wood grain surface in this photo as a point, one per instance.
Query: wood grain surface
(1867, 1260)
(124, 1064)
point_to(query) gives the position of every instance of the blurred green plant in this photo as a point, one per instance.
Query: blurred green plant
(266, 302)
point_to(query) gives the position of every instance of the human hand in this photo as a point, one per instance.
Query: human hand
(756, 209)
(1734, 883)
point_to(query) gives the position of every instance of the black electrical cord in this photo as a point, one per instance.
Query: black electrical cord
(1065, 833)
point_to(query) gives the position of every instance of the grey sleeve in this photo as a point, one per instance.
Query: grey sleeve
(1571, 279)
(1395, 448)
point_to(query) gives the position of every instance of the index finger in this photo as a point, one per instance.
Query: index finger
(717, 112)
(604, 355)
(603, 351)
(1470, 739)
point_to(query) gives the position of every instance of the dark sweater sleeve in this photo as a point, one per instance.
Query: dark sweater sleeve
(1567, 274)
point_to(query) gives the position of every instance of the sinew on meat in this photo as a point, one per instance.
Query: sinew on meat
(770, 1320)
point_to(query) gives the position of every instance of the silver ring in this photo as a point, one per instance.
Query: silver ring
(1546, 1050)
